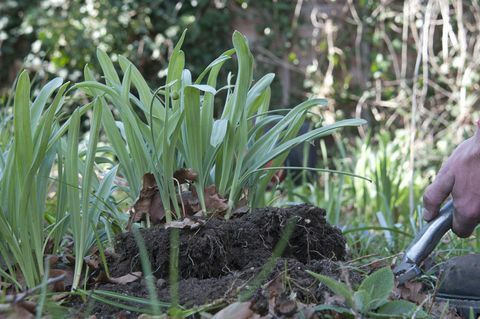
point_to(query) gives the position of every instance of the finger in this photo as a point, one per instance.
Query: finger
(437, 192)
(463, 226)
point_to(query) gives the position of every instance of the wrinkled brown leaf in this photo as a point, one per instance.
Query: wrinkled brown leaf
(122, 315)
(148, 202)
(442, 310)
(149, 181)
(122, 280)
(60, 296)
(411, 291)
(185, 223)
(190, 201)
(331, 299)
(52, 259)
(185, 175)
(238, 310)
(92, 261)
(214, 202)
(16, 311)
(61, 285)
(285, 306)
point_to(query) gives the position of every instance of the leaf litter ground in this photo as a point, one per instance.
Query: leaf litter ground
(220, 259)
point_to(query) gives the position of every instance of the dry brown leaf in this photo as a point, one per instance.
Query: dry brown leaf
(126, 279)
(60, 296)
(92, 261)
(411, 291)
(148, 202)
(16, 311)
(284, 306)
(335, 300)
(214, 202)
(185, 223)
(190, 202)
(274, 289)
(52, 260)
(442, 310)
(149, 181)
(122, 315)
(64, 284)
(308, 311)
(237, 310)
(185, 175)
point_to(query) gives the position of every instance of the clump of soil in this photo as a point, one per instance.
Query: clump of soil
(219, 259)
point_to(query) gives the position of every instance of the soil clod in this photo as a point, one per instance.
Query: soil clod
(221, 258)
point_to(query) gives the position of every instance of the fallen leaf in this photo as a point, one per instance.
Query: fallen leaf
(30, 306)
(92, 261)
(284, 306)
(16, 311)
(442, 310)
(410, 291)
(148, 202)
(149, 181)
(185, 223)
(185, 175)
(190, 203)
(122, 280)
(52, 259)
(65, 283)
(214, 202)
(238, 310)
(60, 296)
(122, 315)
(334, 300)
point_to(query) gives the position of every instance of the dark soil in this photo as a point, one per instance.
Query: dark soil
(220, 259)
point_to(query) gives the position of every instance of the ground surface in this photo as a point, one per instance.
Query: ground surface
(222, 258)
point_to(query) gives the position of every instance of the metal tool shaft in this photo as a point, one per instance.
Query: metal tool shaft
(430, 235)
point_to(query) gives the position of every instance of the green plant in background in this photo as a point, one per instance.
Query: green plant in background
(26, 165)
(179, 130)
(36, 151)
(370, 299)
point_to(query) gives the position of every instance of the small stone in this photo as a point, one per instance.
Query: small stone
(161, 283)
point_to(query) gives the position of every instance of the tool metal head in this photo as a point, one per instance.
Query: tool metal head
(406, 271)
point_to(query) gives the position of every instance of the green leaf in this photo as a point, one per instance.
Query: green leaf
(336, 287)
(378, 285)
(108, 68)
(204, 88)
(218, 132)
(361, 301)
(42, 98)
(22, 124)
(339, 310)
(400, 309)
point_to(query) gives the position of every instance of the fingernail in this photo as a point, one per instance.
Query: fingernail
(426, 215)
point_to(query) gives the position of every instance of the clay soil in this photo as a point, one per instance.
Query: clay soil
(220, 259)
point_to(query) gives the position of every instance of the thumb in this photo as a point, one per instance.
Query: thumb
(437, 192)
(476, 137)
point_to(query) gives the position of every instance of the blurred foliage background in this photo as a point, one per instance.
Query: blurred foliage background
(410, 68)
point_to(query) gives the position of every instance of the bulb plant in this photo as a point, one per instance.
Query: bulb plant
(159, 131)
(149, 131)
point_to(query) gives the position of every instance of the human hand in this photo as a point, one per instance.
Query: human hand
(459, 176)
